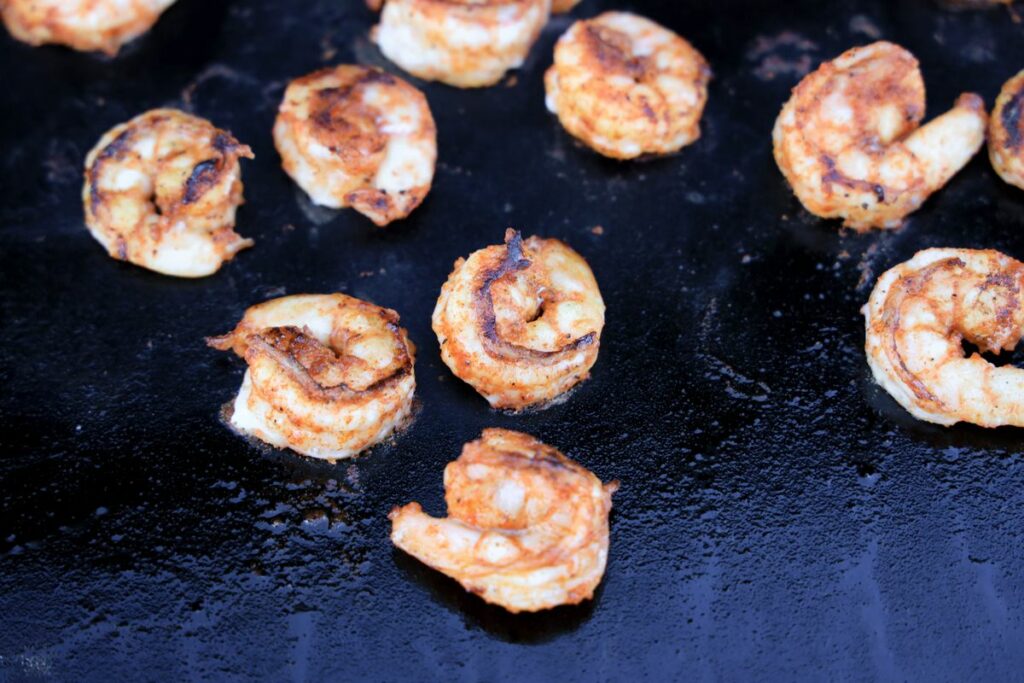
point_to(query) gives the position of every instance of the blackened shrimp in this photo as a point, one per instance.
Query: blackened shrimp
(86, 25)
(358, 137)
(627, 86)
(916, 319)
(161, 191)
(465, 43)
(527, 527)
(520, 322)
(1006, 132)
(329, 375)
(849, 144)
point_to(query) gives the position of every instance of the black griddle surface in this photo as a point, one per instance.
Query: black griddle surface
(780, 517)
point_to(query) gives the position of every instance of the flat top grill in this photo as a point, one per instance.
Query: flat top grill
(779, 515)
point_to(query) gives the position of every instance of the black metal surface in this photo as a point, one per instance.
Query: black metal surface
(779, 516)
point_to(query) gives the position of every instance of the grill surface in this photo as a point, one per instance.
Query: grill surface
(779, 515)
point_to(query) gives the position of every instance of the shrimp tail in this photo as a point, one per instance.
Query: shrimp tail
(946, 143)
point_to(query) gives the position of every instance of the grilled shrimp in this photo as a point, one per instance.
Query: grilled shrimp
(359, 137)
(918, 315)
(329, 375)
(465, 43)
(626, 86)
(161, 191)
(527, 527)
(1006, 132)
(520, 322)
(849, 144)
(85, 25)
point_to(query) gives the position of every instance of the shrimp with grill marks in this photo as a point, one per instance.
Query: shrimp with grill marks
(527, 527)
(627, 86)
(916, 319)
(86, 25)
(1006, 132)
(329, 375)
(520, 322)
(358, 137)
(464, 43)
(849, 144)
(161, 191)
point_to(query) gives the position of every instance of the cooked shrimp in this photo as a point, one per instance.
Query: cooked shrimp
(918, 315)
(1006, 132)
(527, 527)
(562, 6)
(359, 137)
(329, 375)
(85, 25)
(520, 322)
(626, 86)
(465, 43)
(161, 191)
(849, 144)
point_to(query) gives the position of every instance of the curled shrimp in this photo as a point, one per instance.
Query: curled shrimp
(465, 43)
(359, 137)
(86, 25)
(918, 315)
(627, 86)
(849, 144)
(329, 375)
(527, 527)
(161, 191)
(520, 322)
(1006, 132)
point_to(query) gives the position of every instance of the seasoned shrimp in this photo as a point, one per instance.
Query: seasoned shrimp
(329, 375)
(1006, 132)
(849, 144)
(627, 86)
(562, 6)
(359, 137)
(527, 527)
(918, 315)
(520, 322)
(161, 191)
(465, 43)
(85, 25)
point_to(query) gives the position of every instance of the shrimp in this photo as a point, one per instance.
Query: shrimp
(465, 43)
(329, 375)
(1006, 132)
(562, 6)
(86, 25)
(359, 137)
(520, 322)
(161, 191)
(626, 86)
(527, 527)
(916, 318)
(849, 144)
